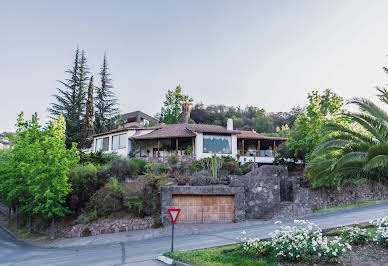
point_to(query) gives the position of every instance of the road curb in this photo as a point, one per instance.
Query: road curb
(169, 261)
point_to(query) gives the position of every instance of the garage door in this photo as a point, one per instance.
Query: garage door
(204, 209)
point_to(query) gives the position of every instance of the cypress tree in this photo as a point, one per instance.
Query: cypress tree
(88, 129)
(105, 101)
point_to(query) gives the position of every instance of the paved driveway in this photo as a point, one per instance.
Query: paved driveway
(119, 249)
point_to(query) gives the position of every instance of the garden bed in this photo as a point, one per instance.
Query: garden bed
(301, 244)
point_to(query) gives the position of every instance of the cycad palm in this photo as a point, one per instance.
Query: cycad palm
(354, 150)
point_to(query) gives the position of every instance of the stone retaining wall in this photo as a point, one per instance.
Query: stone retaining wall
(106, 226)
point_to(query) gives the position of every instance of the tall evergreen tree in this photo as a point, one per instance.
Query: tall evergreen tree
(70, 100)
(88, 128)
(105, 101)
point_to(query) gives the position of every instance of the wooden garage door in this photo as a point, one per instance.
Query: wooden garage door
(204, 209)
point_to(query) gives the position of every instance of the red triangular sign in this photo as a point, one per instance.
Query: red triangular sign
(174, 213)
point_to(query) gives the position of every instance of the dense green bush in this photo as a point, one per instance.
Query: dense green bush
(246, 167)
(121, 168)
(230, 165)
(173, 159)
(156, 169)
(108, 199)
(139, 164)
(85, 180)
(97, 157)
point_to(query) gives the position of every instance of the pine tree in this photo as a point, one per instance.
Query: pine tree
(88, 129)
(70, 101)
(105, 101)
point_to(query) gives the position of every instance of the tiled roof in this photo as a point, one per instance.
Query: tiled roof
(184, 131)
(169, 131)
(253, 135)
(117, 130)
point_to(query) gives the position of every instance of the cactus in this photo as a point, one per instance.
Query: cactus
(214, 166)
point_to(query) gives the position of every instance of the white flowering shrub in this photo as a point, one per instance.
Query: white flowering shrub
(355, 234)
(382, 230)
(302, 240)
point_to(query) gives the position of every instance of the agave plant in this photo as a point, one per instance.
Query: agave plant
(355, 149)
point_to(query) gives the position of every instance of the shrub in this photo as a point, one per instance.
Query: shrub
(122, 169)
(85, 180)
(181, 179)
(189, 150)
(108, 199)
(238, 171)
(296, 242)
(156, 169)
(99, 157)
(87, 217)
(202, 180)
(382, 230)
(139, 165)
(246, 167)
(231, 166)
(173, 159)
(355, 234)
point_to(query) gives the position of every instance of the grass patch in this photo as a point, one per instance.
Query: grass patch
(227, 255)
(358, 204)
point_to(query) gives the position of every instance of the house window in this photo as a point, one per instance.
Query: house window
(102, 144)
(217, 144)
(119, 141)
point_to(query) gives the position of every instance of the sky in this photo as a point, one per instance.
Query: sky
(268, 54)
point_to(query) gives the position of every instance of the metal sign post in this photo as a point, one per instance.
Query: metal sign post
(174, 213)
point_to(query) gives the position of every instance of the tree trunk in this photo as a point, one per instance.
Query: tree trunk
(9, 214)
(30, 223)
(52, 229)
(17, 217)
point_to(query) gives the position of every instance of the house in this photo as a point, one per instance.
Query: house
(4, 141)
(196, 141)
(138, 117)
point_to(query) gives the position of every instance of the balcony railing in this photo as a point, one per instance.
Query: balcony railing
(261, 153)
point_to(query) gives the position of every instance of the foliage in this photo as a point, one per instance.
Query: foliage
(88, 123)
(214, 166)
(298, 242)
(108, 199)
(121, 168)
(356, 152)
(246, 167)
(87, 217)
(172, 106)
(230, 165)
(71, 99)
(34, 177)
(249, 118)
(221, 256)
(85, 181)
(382, 230)
(202, 180)
(99, 157)
(156, 169)
(139, 165)
(173, 159)
(105, 101)
(182, 179)
(355, 234)
(307, 133)
(189, 150)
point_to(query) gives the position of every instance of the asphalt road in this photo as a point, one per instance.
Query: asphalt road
(144, 252)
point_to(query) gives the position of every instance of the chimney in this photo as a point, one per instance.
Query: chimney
(229, 124)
